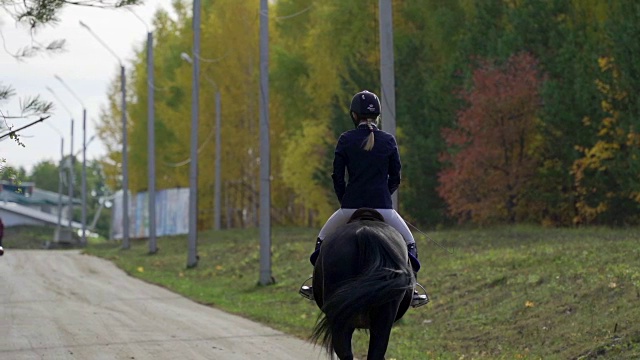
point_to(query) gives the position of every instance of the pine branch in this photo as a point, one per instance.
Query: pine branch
(34, 106)
(37, 13)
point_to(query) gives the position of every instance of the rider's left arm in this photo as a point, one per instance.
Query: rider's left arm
(394, 167)
(339, 166)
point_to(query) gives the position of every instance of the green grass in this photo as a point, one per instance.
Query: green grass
(27, 237)
(502, 293)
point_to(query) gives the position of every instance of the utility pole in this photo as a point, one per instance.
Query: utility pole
(70, 210)
(217, 185)
(217, 191)
(192, 251)
(125, 162)
(60, 190)
(265, 151)
(387, 73)
(58, 237)
(83, 239)
(151, 139)
(125, 157)
(151, 147)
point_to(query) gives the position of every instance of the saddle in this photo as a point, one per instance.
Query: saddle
(366, 214)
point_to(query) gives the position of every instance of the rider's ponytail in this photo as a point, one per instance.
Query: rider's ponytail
(371, 138)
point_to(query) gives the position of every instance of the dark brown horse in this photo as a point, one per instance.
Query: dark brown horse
(361, 280)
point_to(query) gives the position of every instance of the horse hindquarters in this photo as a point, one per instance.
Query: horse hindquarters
(360, 280)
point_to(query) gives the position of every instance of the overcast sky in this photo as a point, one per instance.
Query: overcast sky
(86, 67)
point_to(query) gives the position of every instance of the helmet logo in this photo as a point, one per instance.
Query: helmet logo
(371, 108)
(362, 96)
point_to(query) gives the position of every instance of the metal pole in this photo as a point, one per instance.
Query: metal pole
(60, 189)
(151, 146)
(70, 210)
(387, 73)
(83, 241)
(125, 163)
(217, 186)
(265, 156)
(192, 241)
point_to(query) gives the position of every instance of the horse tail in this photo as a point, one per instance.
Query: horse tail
(386, 276)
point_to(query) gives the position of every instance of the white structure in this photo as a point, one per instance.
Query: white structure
(24, 204)
(13, 214)
(172, 214)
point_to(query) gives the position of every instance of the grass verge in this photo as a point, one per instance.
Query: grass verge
(502, 293)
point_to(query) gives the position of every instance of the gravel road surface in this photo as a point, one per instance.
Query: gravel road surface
(65, 305)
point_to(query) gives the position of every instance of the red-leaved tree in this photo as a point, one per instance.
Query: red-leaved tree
(491, 151)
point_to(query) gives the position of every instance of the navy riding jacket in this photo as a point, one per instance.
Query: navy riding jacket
(372, 175)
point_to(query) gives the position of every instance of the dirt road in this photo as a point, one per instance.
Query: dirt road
(64, 305)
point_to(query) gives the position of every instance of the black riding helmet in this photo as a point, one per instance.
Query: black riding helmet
(365, 105)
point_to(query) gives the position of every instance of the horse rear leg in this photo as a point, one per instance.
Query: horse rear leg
(342, 342)
(380, 330)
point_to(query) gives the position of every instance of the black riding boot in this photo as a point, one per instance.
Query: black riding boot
(306, 291)
(418, 299)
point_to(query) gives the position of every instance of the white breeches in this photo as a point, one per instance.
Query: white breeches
(391, 217)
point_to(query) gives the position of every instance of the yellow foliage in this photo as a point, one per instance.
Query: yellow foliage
(602, 87)
(605, 63)
(599, 161)
(306, 152)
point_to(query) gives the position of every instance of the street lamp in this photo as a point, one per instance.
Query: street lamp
(192, 251)
(387, 73)
(265, 150)
(56, 237)
(70, 185)
(151, 160)
(217, 183)
(125, 171)
(83, 240)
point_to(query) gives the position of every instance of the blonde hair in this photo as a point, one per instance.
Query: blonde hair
(368, 145)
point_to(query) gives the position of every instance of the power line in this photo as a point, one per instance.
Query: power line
(186, 161)
(285, 17)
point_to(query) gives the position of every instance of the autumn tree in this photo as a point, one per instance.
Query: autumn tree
(491, 152)
(607, 177)
(322, 57)
(427, 74)
(172, 111)
(229, 65)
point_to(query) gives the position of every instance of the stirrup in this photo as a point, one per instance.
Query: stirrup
(306, 291)
(418, 299)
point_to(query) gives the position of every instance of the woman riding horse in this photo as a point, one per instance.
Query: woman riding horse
(362, 280)
(371, 158)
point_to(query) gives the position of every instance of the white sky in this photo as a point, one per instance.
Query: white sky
(86, 67)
